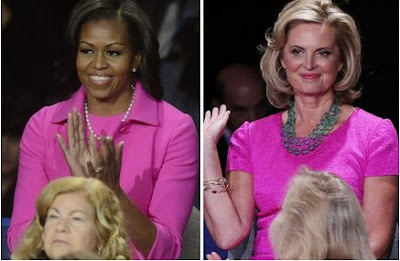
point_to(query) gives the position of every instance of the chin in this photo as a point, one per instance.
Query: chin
(59, 255)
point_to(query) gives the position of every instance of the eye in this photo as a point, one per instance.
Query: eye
(86, 51)
(296, 51)
(113, 53)
(77, 218)
(324, 53)
(52, 216)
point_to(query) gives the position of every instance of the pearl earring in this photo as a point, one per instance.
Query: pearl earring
(134, 70)
(99, 250)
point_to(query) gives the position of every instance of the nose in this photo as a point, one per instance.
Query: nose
(309, 62)
(99, 61)
(62, 225)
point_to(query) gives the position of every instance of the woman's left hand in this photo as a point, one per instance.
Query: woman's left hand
(107, 161)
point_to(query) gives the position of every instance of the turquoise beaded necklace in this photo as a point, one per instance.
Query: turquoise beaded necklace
(308, 144)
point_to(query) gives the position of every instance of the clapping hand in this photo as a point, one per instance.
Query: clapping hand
(215, 123)
(108, 161)
(88, 160)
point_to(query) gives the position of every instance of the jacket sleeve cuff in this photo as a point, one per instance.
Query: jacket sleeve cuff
(167, 245)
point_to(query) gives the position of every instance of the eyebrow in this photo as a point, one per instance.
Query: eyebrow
(72, 212)
(108, 45)
(318, 49)
(55, 209)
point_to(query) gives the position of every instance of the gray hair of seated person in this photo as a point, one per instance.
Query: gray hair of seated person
(321, 218)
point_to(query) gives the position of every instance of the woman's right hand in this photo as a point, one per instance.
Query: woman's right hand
(215, 123)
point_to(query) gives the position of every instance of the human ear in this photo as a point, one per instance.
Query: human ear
(340, 66)
(136, 61)
(282, 62)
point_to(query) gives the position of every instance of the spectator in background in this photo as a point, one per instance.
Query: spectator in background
(76, 216)
(242, 89)
(177, 25)
(179, 36)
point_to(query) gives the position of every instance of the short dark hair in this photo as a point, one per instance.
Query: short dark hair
(141, 35)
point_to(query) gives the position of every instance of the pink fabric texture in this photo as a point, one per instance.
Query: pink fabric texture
(159, 171)
(364, 145)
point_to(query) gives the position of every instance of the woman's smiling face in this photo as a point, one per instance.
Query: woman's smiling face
(104, 58)
(311, 58)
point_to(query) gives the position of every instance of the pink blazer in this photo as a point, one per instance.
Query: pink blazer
(159, 171)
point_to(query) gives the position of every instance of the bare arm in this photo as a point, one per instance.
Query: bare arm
(228, 214)
(380, 207)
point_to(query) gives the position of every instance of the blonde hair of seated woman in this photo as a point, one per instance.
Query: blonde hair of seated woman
(321, 218)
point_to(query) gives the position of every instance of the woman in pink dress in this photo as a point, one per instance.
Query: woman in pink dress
(311, 66)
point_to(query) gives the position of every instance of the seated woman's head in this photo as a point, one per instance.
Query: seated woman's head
(75, 215)
(320, 219)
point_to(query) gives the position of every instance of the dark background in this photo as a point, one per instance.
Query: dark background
(234, 29)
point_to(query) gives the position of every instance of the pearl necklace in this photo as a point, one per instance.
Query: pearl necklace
(89, 125)
(305, 145)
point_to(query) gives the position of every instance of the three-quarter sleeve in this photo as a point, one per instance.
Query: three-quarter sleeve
(31, 179)
(239, 157)
(383, 151)
(174, 191)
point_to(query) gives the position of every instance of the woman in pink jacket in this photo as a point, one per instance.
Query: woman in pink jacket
(119, 102)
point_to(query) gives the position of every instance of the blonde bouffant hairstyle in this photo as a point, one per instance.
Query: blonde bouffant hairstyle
(279, 91)
(320, 219)
(109, 219)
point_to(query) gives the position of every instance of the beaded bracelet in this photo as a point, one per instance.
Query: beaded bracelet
(216, 185)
